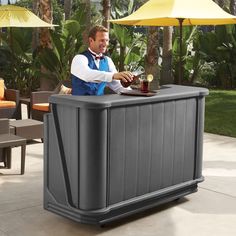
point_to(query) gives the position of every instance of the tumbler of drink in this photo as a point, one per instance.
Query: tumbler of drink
(144, 84)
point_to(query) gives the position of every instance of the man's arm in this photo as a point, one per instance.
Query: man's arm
(115, 85)
(80, 68)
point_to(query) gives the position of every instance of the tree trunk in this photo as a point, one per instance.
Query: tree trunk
(35, 32)
(45, 11)
(151, 60)
(87, 5)
(67, 8)
(233, 7)
(106, 4)
(166, 71)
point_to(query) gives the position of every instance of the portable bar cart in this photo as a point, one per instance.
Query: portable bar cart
(106, 157)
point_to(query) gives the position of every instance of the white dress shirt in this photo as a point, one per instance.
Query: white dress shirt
(80, 68)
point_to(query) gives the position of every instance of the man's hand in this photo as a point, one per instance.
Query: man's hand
(125, 76)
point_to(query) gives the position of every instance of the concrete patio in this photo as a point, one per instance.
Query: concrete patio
(210, 211)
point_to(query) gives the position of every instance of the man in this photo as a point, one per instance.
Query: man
(91, 71)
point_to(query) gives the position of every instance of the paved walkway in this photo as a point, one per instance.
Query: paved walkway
(210, 211)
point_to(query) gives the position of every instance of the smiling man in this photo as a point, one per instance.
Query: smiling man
(92, 71)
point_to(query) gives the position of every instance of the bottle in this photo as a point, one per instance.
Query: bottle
(136, 75)
(127, 84)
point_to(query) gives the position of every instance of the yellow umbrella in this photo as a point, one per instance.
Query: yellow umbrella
(178, 13)
(14, 16)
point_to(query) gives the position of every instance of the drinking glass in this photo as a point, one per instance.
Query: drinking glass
(144, 84)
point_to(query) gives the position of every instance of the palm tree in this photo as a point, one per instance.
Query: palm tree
(67, 8)
(87, 7)
(233, 7)
(166, 71)
(45, 12)
(151, 60)
(35, 36)
(106, 5)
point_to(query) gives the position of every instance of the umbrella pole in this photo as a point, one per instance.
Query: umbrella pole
(180, 50)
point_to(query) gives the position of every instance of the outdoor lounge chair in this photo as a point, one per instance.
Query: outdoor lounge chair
(39, 100)
(9, 102)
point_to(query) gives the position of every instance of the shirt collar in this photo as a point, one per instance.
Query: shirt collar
(96, 56)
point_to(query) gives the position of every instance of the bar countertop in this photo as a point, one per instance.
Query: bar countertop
(167, 92)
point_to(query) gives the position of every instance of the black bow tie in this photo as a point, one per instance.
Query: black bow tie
(97, 57)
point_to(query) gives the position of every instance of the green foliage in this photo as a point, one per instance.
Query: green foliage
(127, 46)
(221, 112)
(190, 55)
(25, 3)
(209, 58)
(122, 34)
(17, 65)
(67, 42)
(122, 8)
(57, 12)
(219, 48)
(57, 9)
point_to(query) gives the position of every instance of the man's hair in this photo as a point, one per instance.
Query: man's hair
(95, 29)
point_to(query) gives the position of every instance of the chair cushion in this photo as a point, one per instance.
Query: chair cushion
(2, 88)
(7, 104)
(41, 107)
(64, 90)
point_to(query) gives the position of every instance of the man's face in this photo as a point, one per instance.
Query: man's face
(99, 45)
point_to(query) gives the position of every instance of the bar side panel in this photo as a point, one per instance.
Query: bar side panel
(93, 159)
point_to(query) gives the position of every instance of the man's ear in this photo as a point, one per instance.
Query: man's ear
(91, 40)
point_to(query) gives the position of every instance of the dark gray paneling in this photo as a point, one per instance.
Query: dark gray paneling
(168, 144)
(131, 152)
(117, 155)
(151, 147)
(190, 139)
(55, 181)
(69, 133)
(180, 126)
(199, 134)
(93, 159)
(144, 147)
(157, 146)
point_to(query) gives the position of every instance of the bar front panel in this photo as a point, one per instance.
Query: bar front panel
(152, 147)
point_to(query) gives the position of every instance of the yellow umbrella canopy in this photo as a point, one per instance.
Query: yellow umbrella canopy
(178, 13)
(167, 13)
(14, 16)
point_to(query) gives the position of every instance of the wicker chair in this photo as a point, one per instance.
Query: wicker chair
(10, 111)
(39, 100)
